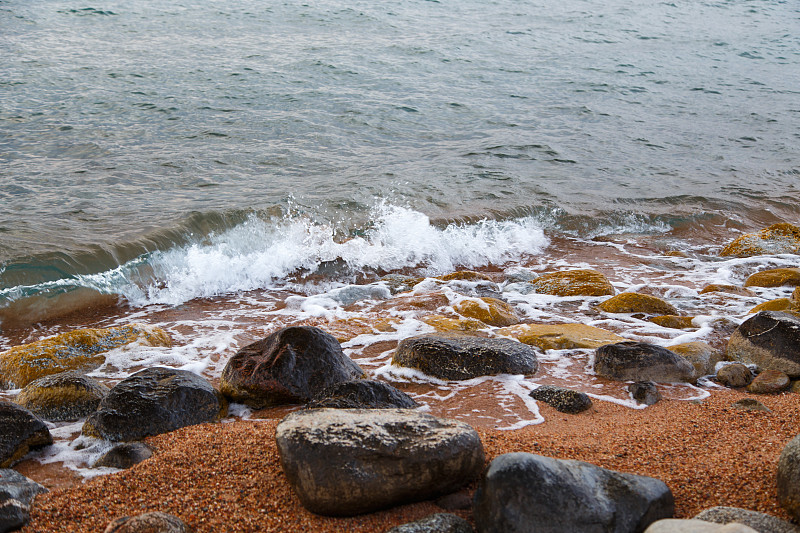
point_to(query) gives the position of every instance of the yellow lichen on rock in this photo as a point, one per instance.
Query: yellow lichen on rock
(776, 277)
(445, 323)
(561, 336)
(465, 275)
(81, 350)
(673, 321)
(730, 289)
(634, 302)
(780, 304)
(702, 355)
(488, 310)
(581, 282)
(777, 239)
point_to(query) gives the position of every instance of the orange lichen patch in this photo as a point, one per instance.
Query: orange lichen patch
(444, 323)
(633, 302)
(80, 350)
(488, 310)
(731, 289)
(561, 336)
(582, 282)
(777, 239)
(776, 277)
(673, 321)
(780, 304)
(465, 275)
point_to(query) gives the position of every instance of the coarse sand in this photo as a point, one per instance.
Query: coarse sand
(227, 477)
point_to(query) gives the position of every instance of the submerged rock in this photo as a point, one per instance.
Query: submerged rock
(362, 394)
(769, 340)
(17, 493)
(488, 310)
(776, 277)
(633, 302)
(777, 239)
(63, 397)
(561, 336)
(580, 282)
(639, 361)
(455, 356)
(20, 431)
(562, 399)
(760, 522)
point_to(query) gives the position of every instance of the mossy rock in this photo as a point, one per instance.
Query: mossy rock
(777, 239)
(446, 323)
(703, 356)
(62, 397)
(488, 310)
(561, 336)
(465, 275)
(780, 304)
(730, 289)
(80, 350)
(776, 277)
(582, 282)
(633, 302)
(673, 321)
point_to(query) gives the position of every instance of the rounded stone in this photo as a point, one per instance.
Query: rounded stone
(63, 397)
(490, 311)
(124, 455)
(580, 282)
(20, 431)
(735, 375)
(645, 392)
(781, 238)
(769, 382)
(562, 399)
(362, 394)
(639, 361)
(770, 340)
(633, 302)
(155, 522)
(776, 277)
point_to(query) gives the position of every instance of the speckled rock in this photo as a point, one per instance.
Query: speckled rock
(81, 350)
(520, 490)
(760, 522)
(455, 356)
(343, 462)
(62, 397)
(701, 355)
(776, 277)
(362, 394)
(769, 382)
(582, 282)
(789, 478)
(292, 365)
(769, 340)
(639, 361)
(488, 310)
(673, 321)
(155, 522)
(645, 392)
(674, 525)
(17, 493)
(20, 431)
(633, 302)
(446, 323)
(777, 239)
(124, 455)
(734, 375)
(561, 336)
(562, 399)
(435, 523)
(750, 404)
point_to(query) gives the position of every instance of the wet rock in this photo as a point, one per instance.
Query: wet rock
(582, 282)
(777, 239)
(362, 394)
(673, 321)
(760, 522)
(435, 523)
(781, 304)
(702, 356)
(81, 350)
(155, 522)
(639, 361)
(633, 302)
(397, 283)
(776, 277)
(769, 382)
(454, 356)
(488, 310)
(789, 478)
(562, 399)
(521, 489)
(62, 397)
(561, 336)
(351, 294)
(769, 340)
(124, 455)
(750, 404)
(644, 392)
(520, 275)
(292, 365)
(445, 323)
(674, 525)
(730, 289)
(154, 401)
(734, 375)
(343, 462)
(20, 431)
(465, 275)
(17, 493)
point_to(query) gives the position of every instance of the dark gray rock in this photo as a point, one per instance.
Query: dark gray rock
(457, 356)
(734, 375)
(789, 478)
(455, 501)
(523, 492)
(20, 431)
(562, 399)
(292, 365)
(645, 392)
(770, 340)
(155, 522)
(362, 394)
(435, 523)
(153, 401)
(750, 404)
(16, 496)
(343, 462)
(62, 397)
(761, 522)
(640, 361)
(125, 455)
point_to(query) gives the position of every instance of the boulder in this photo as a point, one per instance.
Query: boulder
(16, 496)
(673, 321)
(730, 289)
(362, 394)
(63, 397)
(776, 277)
(644, 392)
(674, 525)
(562, 399)
(82, 350)
(154, 522)
(633, 302)
(488, 310)
(446, 323)
(154, 401)
(292, 365)
(344, 462)
(769, 382)
(789, 478)
(639, 361)
(527, 492)
(20, 431)
(769, 340)
(465, 275)
(760, 522)
(435, 523)
(455, 356)
(561, 336)
(780, 304)
(777, 239)
(701, 355)
(734, 375)
(581, 282)
(124, 455)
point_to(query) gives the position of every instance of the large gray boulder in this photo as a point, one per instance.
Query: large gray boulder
(789, 477)
(62, 397)
(362, 394)
(523, 492)
(16, 496)
(292, 365)
(344, 462)
(761, 522)
(770, 340)
(458, 356)
(20, 431)
(153, 401)
(640, 361)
